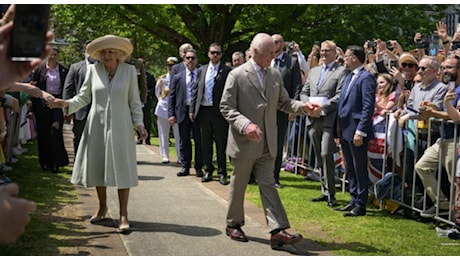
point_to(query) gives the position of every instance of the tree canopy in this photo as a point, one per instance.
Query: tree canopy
(157, 30)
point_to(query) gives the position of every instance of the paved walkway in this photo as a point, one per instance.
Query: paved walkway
(179, 216)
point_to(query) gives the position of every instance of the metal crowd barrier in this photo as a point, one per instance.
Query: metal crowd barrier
(433, 125)
(298, 151)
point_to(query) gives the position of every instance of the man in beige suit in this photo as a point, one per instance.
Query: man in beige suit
(253, 93)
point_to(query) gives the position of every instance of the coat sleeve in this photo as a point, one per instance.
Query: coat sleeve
(134, 100)
(84, 96)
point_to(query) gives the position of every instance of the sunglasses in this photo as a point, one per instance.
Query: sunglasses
(448, 67)
(190, 58)
(423, 68)
(215, 52)
(410, 65)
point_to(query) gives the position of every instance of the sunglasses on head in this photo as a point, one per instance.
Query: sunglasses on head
(190, 58)
(410, 65)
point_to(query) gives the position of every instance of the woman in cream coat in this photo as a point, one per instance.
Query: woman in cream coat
(107, 153)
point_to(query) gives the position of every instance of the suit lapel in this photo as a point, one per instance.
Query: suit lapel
(253, 78)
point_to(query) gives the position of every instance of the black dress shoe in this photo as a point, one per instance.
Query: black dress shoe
(207, 177)
(183, 172)
(284, 238)
(320, 198)
(355, 212)
(223, 179)
(46, 167)
(55, 169)
(235, 233)
(278, 185)
(139, 141)
(347, 207)
(199, 173)
(332, 202)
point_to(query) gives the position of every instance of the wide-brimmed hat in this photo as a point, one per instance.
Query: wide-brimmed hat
(172, 61)
(407, 58)
(110, 42)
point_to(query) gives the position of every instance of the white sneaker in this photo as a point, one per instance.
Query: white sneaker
(16, 151)
(14, 160)
(165, 159)
(5, 168)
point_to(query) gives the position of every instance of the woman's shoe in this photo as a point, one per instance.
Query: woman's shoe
(98, 218)
(122, 228)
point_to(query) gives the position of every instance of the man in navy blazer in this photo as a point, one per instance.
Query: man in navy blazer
(354, 127)
(180, 97)
(204, 107)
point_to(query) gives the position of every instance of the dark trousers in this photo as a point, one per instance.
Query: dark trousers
(355, 159)
(78, 127)
(214, 128)
(282, 123)
(186, 129)
(50, 141)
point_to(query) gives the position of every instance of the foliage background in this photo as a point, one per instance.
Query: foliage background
(157, 30)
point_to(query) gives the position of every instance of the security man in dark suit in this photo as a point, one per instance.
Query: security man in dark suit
(290, 72)
(204, 107)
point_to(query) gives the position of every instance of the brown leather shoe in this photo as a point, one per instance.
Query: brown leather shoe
(284, 238)
(236, 233)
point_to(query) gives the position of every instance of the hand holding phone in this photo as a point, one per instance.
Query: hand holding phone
(28, 37)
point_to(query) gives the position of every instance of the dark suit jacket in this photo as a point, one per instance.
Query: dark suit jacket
(355, 108)
(72, 85)
(177, 68)
(290, 72)
(200, 86)
(39, 75)
(178, 97)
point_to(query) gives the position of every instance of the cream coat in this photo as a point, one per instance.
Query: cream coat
(107, 152)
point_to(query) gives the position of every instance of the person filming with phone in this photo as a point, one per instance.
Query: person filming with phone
(14, 211)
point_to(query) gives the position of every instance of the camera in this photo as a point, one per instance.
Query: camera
(455, 45)
(408, 84)
(28, 36)
(389, 45)
(371, 44)
(421, 44)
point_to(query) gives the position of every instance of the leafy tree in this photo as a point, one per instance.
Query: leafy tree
(158, 30)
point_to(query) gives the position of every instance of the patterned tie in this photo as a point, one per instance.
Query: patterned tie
(277, 63)
(189, 87)
(321, 76)
(347, 82)
(210, 83)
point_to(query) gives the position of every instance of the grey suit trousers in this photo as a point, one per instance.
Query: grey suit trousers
(263, 171)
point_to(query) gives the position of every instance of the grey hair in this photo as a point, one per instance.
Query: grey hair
(259, 42)
(434, 63)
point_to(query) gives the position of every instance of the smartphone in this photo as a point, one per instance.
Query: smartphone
(393, 63)
(28, 37)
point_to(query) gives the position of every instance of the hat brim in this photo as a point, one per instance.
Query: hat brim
(407, 58)
(110, 42)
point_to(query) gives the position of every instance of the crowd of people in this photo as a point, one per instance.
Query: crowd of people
(242, 108)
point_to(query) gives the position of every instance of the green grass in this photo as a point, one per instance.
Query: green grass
(378, 233)
(44, 234)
